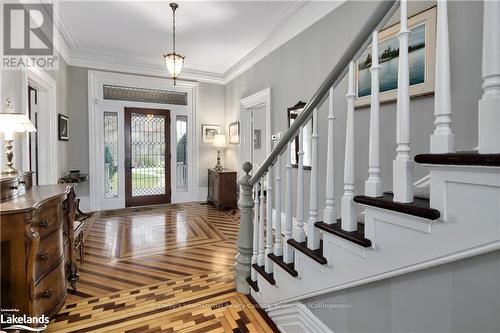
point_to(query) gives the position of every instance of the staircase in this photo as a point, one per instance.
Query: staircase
(282, 259)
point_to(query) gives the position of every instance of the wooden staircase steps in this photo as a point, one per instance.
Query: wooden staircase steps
(289, 268)
(357, 237)
(419, 207)
(316, 255)
(268, 276)
(460, 158)
(252, 284)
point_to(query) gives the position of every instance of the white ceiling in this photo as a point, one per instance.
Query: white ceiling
(219, 39)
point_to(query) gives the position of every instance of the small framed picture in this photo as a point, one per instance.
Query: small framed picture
(62, 127)
(234, 133)
(257, 139)
(208, 132)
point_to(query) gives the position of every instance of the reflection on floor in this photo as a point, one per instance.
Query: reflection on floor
(160, 269)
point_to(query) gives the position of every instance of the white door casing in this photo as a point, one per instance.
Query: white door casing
(97, 107)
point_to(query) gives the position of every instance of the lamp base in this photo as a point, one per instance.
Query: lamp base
(218, 166)
(9, 153)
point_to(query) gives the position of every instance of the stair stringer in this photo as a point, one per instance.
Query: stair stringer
(401, 243)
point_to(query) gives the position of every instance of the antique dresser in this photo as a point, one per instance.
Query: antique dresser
(37, 245)
(222, 188)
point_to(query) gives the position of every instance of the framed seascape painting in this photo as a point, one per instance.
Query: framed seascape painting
(208, 133)
(234, 133)
(421, 54)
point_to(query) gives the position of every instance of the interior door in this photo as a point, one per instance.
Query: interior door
(147, 156)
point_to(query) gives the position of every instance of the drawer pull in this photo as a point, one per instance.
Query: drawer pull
(46, 294)
(13, 187)
(42, 223)
(21, 182)
(43, 256)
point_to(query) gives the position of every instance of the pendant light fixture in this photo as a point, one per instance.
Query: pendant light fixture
(174, 61)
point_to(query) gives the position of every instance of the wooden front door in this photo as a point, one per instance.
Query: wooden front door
(147, 156)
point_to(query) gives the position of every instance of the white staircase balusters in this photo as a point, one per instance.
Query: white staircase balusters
(330, 213)
(374, 185)
(403, 166)
(255, 252)
(278, 245)
(262, 198)
(443, 139)
(269, 220)
(313, 232)
(287, 248)
(489, 105)
(299, 233)
(348, 208)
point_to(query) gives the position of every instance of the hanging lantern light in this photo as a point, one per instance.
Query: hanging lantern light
(173, 60)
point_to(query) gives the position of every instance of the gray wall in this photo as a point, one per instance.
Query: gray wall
(296, 69)
(458, 297)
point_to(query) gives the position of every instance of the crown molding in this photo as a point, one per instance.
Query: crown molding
(295, 20)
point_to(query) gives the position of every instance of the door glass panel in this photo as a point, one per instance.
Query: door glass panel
(110, 155)
(181, 148)
(148, 154)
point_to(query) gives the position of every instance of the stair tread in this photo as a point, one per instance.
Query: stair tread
(420, 207)
(289, 268)
(459, 158)
(253, 284)
(262, 271)
(357, 237)
(316, 255)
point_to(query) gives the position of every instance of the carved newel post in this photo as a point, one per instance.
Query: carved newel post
(245, 235)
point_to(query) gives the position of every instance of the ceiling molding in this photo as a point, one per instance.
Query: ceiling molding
(295, 20)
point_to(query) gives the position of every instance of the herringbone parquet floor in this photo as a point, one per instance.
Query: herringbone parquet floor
(160, 269)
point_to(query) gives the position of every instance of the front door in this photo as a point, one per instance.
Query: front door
(147, 156)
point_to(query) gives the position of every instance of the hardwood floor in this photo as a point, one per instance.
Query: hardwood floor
(160, 269)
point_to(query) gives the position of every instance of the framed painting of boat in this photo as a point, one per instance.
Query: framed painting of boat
(421, 54)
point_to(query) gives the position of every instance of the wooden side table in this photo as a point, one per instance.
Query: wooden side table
(222, 188)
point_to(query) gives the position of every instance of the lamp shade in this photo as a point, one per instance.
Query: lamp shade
(15, 122)
(219, 141)
(174, 63)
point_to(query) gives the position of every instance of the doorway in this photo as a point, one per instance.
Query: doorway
(33, 136)
(255, 117)
(147, 156)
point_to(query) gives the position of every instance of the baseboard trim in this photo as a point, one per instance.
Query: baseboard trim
(202, 194)
(296, 318)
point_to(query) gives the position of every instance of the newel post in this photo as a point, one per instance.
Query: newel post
(245, 234)
(489, 105)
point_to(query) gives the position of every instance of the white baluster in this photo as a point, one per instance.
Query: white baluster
(313, 232)
(269, 220)
(287, 248)
(374, 186)
(330, 213)
(489, 105)
(299, 234)
(260, 258)
(255, 252)
(403, 165)
(278, 245)
(348, 208)
(443, 139)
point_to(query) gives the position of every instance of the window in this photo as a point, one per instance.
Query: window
(110, 155)
(181, 149)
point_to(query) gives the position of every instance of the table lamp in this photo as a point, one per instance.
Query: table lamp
(11, 123)
(219, 143)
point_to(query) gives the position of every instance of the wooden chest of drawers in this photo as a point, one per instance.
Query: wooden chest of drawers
(37, 252)
(222, 188)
